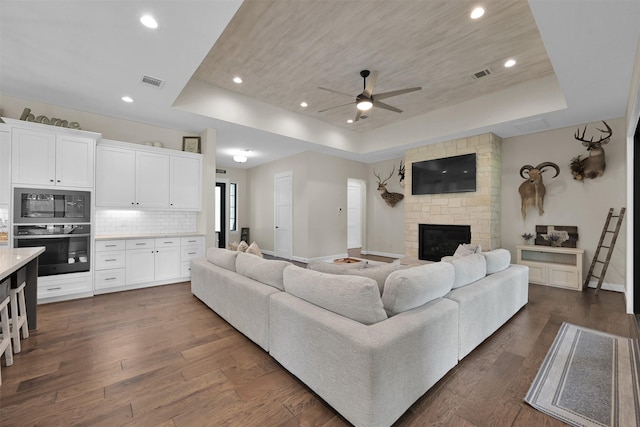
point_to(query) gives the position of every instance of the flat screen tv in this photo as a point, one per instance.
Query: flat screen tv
(455, 174)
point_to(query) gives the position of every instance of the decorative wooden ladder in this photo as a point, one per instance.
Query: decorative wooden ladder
(609, 248)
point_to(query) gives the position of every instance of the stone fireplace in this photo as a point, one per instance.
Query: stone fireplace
(480, 210)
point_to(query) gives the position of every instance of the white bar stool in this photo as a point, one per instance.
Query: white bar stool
(18, 316)
(5, 341)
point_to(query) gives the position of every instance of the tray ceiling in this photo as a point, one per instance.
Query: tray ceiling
(285, 50)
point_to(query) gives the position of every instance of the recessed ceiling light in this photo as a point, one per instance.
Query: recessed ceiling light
(127, 99)
(350, 121)
(477, 13)
(304, 104)
(149, 22)
(510, 63)
(237, 80)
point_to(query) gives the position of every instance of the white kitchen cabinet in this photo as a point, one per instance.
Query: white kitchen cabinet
(167, 259)
(190, 248)
(140, 263)
(51, 157)
(152, 180)
(64, 287)
(185, 189)
(5, 166)
(142, 177)
(115, 177)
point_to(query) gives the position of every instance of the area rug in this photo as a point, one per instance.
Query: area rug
(589, 378)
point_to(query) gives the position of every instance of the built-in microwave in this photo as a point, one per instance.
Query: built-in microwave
(31, 205)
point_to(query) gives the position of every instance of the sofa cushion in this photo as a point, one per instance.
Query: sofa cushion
(416, 286)
(261, 270)
(497, 260)
(356, 298)
(468, 269)
(242, 246)
(222, 258)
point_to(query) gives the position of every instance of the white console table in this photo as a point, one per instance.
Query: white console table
(551, 266)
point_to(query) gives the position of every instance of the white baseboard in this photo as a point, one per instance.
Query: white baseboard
(607, 286)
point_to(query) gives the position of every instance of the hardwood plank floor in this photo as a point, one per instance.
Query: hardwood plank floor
(160, 357)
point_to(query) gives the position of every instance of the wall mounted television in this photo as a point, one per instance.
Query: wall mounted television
(455, 174)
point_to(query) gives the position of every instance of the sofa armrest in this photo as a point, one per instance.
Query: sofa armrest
(371, 374)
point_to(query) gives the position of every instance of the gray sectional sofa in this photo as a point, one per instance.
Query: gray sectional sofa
(369, 352)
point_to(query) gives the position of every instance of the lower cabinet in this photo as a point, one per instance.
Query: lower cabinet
(64, 287)
(136, 263)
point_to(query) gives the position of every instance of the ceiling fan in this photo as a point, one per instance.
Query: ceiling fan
(366, 100)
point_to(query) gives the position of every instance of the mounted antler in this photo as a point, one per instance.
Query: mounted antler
(401, 173)
(390, 198)
(593, 165)
(532, 190)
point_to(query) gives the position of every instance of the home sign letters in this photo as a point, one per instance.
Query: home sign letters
(29, 117)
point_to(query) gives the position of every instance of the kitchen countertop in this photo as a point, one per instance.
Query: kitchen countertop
(147, 236)
(13, 259)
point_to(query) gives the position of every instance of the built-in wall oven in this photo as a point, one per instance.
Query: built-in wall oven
(60, 221)
(67, 246)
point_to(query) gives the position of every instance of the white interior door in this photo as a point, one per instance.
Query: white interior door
(283, 215)
(354, 213)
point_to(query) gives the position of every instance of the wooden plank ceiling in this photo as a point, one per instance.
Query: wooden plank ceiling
(285, 49)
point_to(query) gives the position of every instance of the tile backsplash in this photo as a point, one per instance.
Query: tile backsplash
(111, 222)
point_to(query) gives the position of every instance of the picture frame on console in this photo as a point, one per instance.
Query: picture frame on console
(191, 144)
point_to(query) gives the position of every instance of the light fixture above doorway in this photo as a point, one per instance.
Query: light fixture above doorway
(241, 156)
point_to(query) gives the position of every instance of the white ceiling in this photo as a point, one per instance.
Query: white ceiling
(85, 55)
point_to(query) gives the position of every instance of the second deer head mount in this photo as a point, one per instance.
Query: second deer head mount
(593, 165)
(390, 198)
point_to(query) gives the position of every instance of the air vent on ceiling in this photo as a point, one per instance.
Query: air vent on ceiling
(152, 81)
(480, 74)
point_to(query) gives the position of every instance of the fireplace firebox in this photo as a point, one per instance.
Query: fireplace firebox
(438, 240)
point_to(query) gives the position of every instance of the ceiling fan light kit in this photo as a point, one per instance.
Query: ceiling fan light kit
(366, 100)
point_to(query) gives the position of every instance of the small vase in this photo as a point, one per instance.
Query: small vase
(556, 243)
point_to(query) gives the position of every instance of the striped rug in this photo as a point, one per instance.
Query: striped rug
(589, 378)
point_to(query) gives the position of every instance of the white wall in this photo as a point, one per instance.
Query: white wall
(385, 225)
(567, 202)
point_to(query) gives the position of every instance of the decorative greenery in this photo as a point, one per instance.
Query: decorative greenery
(527, 236)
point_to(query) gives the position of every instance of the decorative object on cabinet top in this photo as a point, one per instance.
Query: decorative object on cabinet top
(27, 116)
(191, 144)
(149, 146)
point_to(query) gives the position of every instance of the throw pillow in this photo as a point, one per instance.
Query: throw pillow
(222, 258)
(379, 273)
(261, 270)
(497, 260)
(233, 246)
(465, 249)
(242, 246)
(356, 298)
(254, 249)
(468, 269)
(416, 286)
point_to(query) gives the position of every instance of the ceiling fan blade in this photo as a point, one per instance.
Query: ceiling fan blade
(371, 83)
(338, 92)
(335, 106)
(382, 105)
(385, 95)
(358, 115)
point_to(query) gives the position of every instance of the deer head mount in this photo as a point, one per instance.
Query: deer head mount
(390, 198)
(532, 190)
(593, 165)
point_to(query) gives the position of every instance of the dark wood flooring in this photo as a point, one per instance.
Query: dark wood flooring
(160, 357)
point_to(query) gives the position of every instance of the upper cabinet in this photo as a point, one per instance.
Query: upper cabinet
(137, 176)
(5, 165)
(47, 155)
